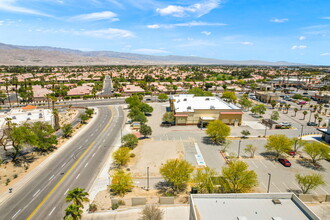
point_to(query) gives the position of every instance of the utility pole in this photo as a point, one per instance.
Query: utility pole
(239, 148)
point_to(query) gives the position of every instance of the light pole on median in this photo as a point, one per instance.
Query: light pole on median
(265, 130)
(239, 148)
(302, 129)
(270, 176)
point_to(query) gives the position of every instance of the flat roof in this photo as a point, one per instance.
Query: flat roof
(190, 103)
(254, 206)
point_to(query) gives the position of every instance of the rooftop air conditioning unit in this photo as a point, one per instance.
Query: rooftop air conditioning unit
(184, 99)
(14, 117)
(207, 99)
(29, 113)
(189, 108)
(28, 118)
(212, 107)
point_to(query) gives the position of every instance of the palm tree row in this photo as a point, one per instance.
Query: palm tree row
(77, 196)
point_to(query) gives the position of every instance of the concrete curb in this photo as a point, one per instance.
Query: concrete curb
(18, 186)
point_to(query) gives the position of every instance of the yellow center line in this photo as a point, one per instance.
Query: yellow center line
(67, 173)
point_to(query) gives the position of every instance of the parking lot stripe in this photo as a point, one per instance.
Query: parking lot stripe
(324, 190)
(272, 164)
(263, 163)
(276, 187)
(296, 185)
(287, 187)
(262, 183)
(254, 164)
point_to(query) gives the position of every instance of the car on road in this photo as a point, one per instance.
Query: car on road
(284, 162)
(311, 123)
(327, 106)
(167, 124)
(302, 103)
(285, 124)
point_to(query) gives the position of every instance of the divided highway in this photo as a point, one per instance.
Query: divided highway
(43, 197)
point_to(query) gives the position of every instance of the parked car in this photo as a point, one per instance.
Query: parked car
(284, 162)
(285, 124)
(311, 123)
(302, 103)
(292, 153)
(327, 106)
(167, 124)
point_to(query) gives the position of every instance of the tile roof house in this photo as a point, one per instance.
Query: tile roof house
(80, 90)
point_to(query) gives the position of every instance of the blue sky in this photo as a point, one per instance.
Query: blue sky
(272, 30)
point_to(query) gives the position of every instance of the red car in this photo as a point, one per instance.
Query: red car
(292, 153)
(284, 162)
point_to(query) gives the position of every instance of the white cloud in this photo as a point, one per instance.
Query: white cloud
(109, 33)
(277, 20)
(1, 23)
(325, 18)
(148, 51)
(153, 26)
(96, 16)
(198, 9)
(298, 47)
(302, 38)
(246, 43)
(9, 5)
(207, 33)
(197, 43)
(325, 54)
(187, 24)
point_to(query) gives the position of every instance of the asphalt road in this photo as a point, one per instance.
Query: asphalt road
(107, 86)
(43, 197)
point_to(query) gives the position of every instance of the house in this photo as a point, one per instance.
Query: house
(80, 91)
(39, 93)
(130, 89)
(200, 110)
(267, 97)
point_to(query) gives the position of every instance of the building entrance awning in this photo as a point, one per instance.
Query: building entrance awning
(231, 113)
(207, 118)
(180, 115)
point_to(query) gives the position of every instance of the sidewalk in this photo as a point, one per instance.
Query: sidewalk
(178, 213)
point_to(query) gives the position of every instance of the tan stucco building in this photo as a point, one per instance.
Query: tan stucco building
(199, 110)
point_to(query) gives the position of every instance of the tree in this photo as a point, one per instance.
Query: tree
(44, 135)
(199, 92)
(319, 120)
(273, 103)
(151, 212)
(67, 130)
(132, 101)
(245, 133)
(259, 109)
(245, 103)
(203, 180)
(309, 182)
(89, 112)
(133, 112)
(145, 130)
(140, 117)
(305, 113)
(56, 119)
(317, 151)
(224, 146)
(250, 149)
(122, 156)
(162, 96)
(230, 96)
(217, 131)
(168, 117)
(236, 178)
(177, 172)
(279, 143)
(130, 140)
(295, 111)
(121, 182)
(3, 97)
(83, 118)
(20, 137)
(316, 116)
(275, 116)
(77, 196)
(73, 212)
(145, 108)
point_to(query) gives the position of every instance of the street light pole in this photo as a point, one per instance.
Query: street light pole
(270, 175)
(265, 130)
(310, 116)
(302, 129)
(239, 148)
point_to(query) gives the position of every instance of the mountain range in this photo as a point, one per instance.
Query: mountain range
(53, 56)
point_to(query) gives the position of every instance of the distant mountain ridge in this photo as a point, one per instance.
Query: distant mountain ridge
(53, 56)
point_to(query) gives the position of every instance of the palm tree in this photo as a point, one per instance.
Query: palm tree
(295, 111)
(73, 212)
(325, 111)
(77, 196)
(316, 116)
(305, 113)
(320, 120)
(7, 91)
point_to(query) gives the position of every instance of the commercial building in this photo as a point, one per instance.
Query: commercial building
(28, 113)
(249, 206)
(267, 97)
(325, 133)
(200, 110)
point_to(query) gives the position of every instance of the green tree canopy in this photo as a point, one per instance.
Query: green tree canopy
(67, 130)
(145, 130)
(250, 149)
(77, 196)
(177, 172)
(145, 108)
(73, 212)
(217, 131)
(259, 109)
(317, 151)
(132, 101)
(168, 117)
(202, 179)
(163, 96)
(130, 140)
(199, 92)
(279, 143)
(230, 96)
(236, 178)
(44, 133)
(275, 115)
(121, 182)
(121, 156)
(309, 182)
(83, 118)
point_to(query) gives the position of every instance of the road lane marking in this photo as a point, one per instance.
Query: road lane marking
(51, 212)
(93, 154)
(103, 140)
(16, 213)
(86, 165)
(78, 176)
(86, 140)
(63, 165)
(66, 191)
(51, 177)
(36, 193)
(65, 175)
